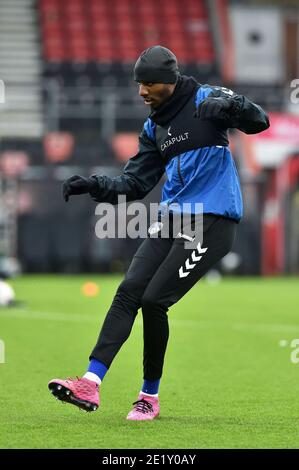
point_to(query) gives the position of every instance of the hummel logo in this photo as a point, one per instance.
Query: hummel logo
(225, 90)
(168, 132)
(194, 258)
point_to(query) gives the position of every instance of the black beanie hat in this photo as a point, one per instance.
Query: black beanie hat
(157, 64)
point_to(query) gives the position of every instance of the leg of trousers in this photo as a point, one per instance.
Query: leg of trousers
(161, 273)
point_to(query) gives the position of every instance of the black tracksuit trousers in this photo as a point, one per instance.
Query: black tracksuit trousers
(156, 279)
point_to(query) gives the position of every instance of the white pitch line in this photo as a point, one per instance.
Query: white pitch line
(51, 316)
(265, 326)
(87, 318)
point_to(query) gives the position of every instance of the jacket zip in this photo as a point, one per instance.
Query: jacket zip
(179, 170)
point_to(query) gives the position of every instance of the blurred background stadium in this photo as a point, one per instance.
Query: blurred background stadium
(69, 105)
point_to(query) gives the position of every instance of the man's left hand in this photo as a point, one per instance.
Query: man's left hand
(214, 109)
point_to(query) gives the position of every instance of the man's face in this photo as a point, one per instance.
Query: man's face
(154, 94)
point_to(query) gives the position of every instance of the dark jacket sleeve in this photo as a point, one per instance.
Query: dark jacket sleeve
(244, 115)
(140, 175)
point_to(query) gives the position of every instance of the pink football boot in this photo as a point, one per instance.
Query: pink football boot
(83, 393)
(145, 408)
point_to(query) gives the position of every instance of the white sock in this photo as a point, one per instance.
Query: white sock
(149, 395)
(93, 377)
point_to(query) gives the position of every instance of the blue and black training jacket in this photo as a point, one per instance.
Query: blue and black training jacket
(193, 153)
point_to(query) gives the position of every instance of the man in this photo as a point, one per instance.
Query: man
(186, 136)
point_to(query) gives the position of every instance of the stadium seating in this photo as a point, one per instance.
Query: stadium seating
(20, 70)
(112, 30)
(88, 46)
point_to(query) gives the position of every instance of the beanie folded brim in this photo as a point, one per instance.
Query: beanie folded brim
(156, 64)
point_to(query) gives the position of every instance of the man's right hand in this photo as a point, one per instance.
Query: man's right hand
(75, 185)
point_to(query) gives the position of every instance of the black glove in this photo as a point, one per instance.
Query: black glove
(76, 185)
(214, 109)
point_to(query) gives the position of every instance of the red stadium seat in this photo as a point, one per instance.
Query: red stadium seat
(119, 29)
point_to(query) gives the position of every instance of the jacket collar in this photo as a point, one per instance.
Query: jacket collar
(184, 89)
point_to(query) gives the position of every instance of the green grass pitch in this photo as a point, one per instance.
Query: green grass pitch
(228, 382)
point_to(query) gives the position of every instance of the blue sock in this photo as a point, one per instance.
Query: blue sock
(151, 386)
(98, 368)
